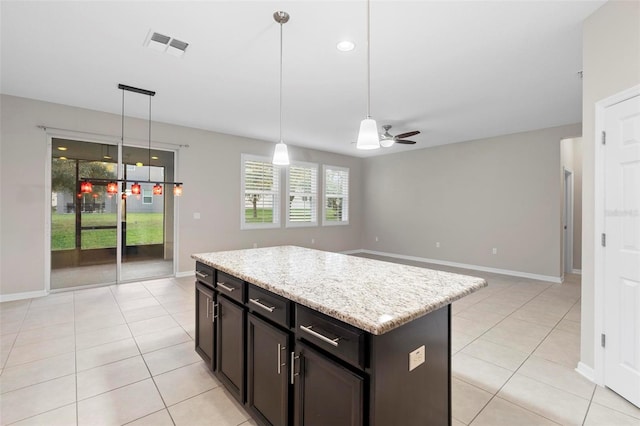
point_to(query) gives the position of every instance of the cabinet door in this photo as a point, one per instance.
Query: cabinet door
(325, 392)
(204, 324)
(230, 346)
(268, 371)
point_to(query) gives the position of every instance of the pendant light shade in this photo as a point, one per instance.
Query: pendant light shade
(135, 188)
(157, 189)
(177, 190)
(86, 187)
(368, 137)
(281, 153)
(112, 188)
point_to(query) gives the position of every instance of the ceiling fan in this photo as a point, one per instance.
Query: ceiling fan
(387, 139)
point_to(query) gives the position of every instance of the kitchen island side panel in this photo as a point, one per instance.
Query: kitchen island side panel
(421, 396)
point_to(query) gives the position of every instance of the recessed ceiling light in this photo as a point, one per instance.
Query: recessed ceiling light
(346, 46)
(62, 148)
(107, 157)
(154, 158)
(139, 164)
(62, 158)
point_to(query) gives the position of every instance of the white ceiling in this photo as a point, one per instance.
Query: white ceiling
(453, 70)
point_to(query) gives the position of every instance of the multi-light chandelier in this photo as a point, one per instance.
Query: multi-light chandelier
(86, 186)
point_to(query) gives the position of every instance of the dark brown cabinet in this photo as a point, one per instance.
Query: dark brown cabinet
(230, 346)
(292, 365)
(205, 314)
(205, 305)
(326, 393)
(268, 351)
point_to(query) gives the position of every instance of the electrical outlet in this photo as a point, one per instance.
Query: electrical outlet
(255, 245)
(416, 358)
(313, 241)
(377, 239)
(438, 244)
(196, 215)
(495, 251)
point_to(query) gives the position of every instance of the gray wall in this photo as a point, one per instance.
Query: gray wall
(210, 169)
(502, 192)
(571, 159)
(611, 64)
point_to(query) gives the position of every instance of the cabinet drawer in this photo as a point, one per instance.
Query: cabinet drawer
(204, 273)
(230, 286)
(269, 305)
(340, 339)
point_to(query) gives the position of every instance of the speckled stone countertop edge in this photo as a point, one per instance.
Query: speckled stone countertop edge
(474, 284)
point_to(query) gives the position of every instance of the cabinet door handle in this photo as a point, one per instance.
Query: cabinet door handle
(280, 364)
(293, 366)
(262, 305)
(201, 274)
(308, 329)
(207, 307)
(224, 287)
(215, 310)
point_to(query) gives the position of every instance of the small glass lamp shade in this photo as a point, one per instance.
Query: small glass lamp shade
(112, 188)
(177, 190)
(86, 187)
(281, 155)
(135, 188)
(157, 189)
(368, 137)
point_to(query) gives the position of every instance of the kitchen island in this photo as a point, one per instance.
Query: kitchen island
(308, 337)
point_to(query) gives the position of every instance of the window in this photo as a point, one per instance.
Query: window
(302, 205)
(335, 209)
(260, 193)
(147, 196)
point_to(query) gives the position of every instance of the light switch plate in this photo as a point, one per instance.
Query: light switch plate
(416, 358)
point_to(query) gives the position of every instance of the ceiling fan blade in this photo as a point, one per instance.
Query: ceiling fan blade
(405, 141)
(408, 134)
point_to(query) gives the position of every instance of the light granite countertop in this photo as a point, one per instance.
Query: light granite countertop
(372, 295)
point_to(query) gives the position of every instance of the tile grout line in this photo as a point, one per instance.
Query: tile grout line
(523, 362)
(586, 414)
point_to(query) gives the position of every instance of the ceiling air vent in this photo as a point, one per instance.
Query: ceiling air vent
(164, 43)
(177, 47)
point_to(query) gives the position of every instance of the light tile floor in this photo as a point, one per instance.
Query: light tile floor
(125, 355)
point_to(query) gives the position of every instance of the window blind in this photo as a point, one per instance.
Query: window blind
(336, 194)
(303, 194)
(261, 182)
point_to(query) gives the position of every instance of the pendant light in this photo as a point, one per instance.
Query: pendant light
(86, 187)
(136, 188)
(368, 137)
(281, 154)
(112, 188)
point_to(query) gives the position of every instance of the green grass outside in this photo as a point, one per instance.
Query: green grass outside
(142, 229)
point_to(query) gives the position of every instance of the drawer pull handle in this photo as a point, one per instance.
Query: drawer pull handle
(201, 274)
(308, 329)
(262, 305)
(225, 287)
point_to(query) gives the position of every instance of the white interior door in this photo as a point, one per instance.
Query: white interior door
(622, 249)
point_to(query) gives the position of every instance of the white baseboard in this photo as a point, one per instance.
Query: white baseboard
(185, 274)
(586, 371)
(576, 271)
(21, 296)
(547, 278)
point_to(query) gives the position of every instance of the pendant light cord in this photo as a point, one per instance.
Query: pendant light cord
(368, 59)
(280, 81)
(149, 163)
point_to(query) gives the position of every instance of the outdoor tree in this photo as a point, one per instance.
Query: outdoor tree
(64, 179)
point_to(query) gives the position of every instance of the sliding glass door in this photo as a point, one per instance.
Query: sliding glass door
(87, 245)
